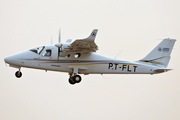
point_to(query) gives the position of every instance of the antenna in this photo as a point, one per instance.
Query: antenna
(104, 77)
(119, 53)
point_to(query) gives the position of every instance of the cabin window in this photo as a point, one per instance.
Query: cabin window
(77, 55)
(47, 53)
(37, 50)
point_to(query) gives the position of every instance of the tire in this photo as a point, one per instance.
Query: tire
(18, 74)
(71, 81)
(77, 78)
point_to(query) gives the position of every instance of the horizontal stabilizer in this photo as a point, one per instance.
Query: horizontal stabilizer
(160, 70)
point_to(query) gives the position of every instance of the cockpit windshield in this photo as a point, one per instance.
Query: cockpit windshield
(37, 50)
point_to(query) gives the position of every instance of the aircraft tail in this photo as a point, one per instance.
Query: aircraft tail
(160, 55)
(92, 36)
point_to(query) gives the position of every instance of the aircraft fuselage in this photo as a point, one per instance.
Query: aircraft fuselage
(80, 57)
(87, 63)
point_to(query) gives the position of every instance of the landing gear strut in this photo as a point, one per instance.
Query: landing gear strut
(74, 79)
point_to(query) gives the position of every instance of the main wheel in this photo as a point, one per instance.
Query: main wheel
(77, 78)
(18, 74)
(71, 81)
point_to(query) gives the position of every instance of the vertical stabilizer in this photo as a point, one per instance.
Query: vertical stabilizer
(160, 55)
(92, 36)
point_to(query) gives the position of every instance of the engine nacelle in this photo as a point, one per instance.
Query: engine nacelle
(58, 45)
(62, 45)
(62, 48)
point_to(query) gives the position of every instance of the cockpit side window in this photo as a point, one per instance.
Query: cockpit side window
(37, 50)
(47, 53)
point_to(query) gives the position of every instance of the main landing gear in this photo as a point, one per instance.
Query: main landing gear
(74, 79)
(18, 74)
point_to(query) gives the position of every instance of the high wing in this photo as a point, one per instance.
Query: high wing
(84, 45)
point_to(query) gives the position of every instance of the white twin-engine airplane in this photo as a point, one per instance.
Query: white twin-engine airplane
(79, 57)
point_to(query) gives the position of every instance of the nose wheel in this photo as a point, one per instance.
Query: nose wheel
(18, 74)
(75, 79)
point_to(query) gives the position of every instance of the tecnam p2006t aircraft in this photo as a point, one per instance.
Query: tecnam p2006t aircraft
(79, 57)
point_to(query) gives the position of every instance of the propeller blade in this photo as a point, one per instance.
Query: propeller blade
(51, 40)
(59, 45)
(58, 53)
(59, 36)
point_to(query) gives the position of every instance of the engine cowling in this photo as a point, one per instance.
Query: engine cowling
(62, 47)
(58, 45)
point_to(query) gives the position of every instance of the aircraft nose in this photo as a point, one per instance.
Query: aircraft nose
(17, 58)
(8, 59)
(13, 59)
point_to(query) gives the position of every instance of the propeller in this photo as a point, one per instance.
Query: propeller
(59, 35)
(59, 44)
(51, 40)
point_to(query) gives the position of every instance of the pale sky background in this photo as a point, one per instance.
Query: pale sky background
(134, 26)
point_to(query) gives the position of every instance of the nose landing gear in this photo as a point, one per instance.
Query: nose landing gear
(18, 74)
